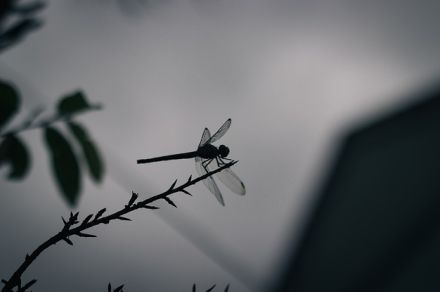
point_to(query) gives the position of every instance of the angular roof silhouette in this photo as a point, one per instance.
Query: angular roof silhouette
(376, 224)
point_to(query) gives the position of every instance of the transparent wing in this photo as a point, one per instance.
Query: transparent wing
(205, 137)
(209, 182)
(231, 180)
(220, 132)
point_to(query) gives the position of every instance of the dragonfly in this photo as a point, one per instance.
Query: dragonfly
(204, 156)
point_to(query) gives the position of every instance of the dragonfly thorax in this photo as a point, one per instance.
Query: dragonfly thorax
(209, 151)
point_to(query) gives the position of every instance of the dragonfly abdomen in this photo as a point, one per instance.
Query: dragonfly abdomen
(185, 155)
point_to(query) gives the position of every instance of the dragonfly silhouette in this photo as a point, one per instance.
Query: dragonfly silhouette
(205, 154)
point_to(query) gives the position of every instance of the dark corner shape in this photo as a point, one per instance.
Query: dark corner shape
(376, 223)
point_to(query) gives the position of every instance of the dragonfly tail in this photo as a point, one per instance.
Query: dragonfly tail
(168, 157)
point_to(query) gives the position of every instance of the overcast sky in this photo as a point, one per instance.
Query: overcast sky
(292, 75)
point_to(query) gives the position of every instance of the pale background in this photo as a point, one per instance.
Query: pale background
(292, 75)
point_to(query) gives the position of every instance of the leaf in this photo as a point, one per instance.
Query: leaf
(14, 152)
(74, 103)
(9, 102)
(18, 31)
(90, 151)
(29, 8)
(64, 165)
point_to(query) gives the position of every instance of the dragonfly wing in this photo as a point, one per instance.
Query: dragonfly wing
(220, 132)
(205, 137)
(232, 181)
(209, 182)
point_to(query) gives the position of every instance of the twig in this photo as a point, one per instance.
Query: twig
(72, 226)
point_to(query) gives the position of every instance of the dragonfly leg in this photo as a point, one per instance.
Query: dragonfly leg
(206, 163)
(220, 161)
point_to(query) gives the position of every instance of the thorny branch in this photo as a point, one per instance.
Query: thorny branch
(72, 226)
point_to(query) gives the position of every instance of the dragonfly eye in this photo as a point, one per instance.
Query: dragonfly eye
(223, 150)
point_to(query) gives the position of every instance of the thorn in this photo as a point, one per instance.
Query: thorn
(27, 257)
(29, 284)
(119, 289)
(123, 218)
(169, 201)
(68, 240)
(189, 179)
(194, 288)
(186, 192)
(80, 234)
(64, 220)
(227, 288)
(100, 212)
(133, 198)
(151, 207)
(86, 220)
(172, 186)
(4, 281)
(109, 287)
(210, 289)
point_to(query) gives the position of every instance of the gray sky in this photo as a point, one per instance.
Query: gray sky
(292, 75)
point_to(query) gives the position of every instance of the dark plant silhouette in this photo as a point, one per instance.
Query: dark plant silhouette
(64, 161)
(17, 20)
(75, 227)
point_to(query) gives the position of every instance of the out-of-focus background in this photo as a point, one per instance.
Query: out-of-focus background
(292, 75)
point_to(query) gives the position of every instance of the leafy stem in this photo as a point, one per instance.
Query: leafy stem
(30, 123)
(72, 226)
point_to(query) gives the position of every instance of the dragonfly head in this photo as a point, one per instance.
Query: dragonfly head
(223, 150)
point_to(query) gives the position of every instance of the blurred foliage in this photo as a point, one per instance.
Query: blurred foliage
(17, 20)
(64, 161)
